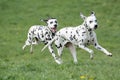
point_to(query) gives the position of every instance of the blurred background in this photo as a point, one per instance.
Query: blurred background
(17, 16)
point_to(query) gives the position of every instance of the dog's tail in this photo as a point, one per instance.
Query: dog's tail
(48, 43)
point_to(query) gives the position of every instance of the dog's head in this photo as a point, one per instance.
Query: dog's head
(90, 22)
(52, 24)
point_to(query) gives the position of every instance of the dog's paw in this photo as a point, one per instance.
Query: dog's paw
(23, 47)
(31, 51)
(75, 62)
(91, 56)
(58, 61)
(91, 51)
(110, 54)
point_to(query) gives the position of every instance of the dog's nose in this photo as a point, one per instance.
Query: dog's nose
(95, 26)
(55, 26)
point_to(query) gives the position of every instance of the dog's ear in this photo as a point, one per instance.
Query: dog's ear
(44, 20)
(82, 16)
(92, 13)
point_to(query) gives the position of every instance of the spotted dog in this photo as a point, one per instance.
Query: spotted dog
(82, 36)
(40, 33)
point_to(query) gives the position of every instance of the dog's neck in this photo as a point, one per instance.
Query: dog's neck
(50, 30)
(86, 26)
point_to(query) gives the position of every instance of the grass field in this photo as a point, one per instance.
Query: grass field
(16, 17)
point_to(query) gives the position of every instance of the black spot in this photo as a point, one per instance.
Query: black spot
(84, 24)
(41, 31)
(53, 34)
(76, 31)
(48, 39)
(36, 39)
(62, 40)
(40, 28)
(30, 38)
(95, 44)
(86, 44)
(90, 30)
(38, 36)
(66, 32)
(71, 38)
(84, 32)
(90, 33)
(99, 48)
(57, 39)
(52, 51)
(93, 39)
(29, 33)
(32, 32)
(74, 37)
(88, 41)
(82, 40)
(42, 35)
(29, 41)
(60, 45)
(59, 32)
(46, 33)
(45, 43)
(83, 28)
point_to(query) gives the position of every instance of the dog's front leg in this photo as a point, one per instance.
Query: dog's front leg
(53, 54)
(97, 46)
(73, 51)
(88, 50)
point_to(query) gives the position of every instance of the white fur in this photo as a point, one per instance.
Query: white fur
(82, 36)
(40, 33)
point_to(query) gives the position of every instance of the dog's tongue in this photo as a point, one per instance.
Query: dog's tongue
(53, 30)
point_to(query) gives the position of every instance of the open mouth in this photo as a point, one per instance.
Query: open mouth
(54, 29)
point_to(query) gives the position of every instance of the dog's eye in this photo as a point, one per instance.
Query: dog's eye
(91, 21)
(95, 20)
(51, 22)
(55, 21)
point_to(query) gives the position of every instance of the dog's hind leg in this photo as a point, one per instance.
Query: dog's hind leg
(57, 60)
(88, 50)
(27, 43)
(73, 51)
(31, 46)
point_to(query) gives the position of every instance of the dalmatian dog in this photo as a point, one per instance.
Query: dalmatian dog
(40, 33)
(82, 36)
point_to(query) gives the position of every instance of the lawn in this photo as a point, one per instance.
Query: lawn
(16, 17)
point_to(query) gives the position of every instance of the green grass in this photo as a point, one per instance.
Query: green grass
(16, 17)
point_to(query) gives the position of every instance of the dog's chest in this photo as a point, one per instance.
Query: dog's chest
(76, 35)
(43, 34)
(84, 36)
(87, 37)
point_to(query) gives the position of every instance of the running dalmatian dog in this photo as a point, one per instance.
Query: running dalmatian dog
(40, 33)
(82, 36)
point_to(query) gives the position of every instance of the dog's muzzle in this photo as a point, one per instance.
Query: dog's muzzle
(96, 26)
(54, 29)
